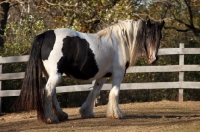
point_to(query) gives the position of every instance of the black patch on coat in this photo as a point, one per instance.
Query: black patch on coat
(109, 74)
(48, 43)
(78, 59)
(126, 66)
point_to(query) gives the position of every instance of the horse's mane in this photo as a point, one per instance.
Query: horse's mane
(129, 32)
(108, 30)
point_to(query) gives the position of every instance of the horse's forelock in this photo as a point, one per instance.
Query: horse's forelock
(153, 40)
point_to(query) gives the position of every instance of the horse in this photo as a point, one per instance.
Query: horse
(83, 56)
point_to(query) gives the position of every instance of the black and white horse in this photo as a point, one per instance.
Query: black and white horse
(107, 53)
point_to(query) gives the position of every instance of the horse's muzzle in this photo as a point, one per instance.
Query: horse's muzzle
(152, 60)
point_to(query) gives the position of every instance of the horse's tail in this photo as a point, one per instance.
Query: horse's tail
(31, 96)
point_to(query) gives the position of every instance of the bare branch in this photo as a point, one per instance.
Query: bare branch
(180, 21)
(177, 29)
(146, 16)
(19, 1)
(162, 1)
(91, 20)
(6, 1)
(60, 4)
(50, 3)
(139, 15)
(190, 13)
(9, 1)
(63, 6)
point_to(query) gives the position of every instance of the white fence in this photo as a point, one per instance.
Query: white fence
(181, 68)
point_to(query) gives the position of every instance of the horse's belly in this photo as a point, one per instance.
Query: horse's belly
(89, 71)
(84, 73)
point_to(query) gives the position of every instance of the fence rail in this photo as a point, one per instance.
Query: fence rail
(181, 68)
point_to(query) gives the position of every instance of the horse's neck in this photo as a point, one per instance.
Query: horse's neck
(135, 53)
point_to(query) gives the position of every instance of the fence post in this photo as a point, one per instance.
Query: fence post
(181, 74)
(0, 85)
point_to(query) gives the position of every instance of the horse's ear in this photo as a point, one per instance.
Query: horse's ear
(148, 23)
(162, 23)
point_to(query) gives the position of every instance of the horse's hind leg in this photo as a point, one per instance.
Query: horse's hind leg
(49, 91)
(86, 109)
(57, 110)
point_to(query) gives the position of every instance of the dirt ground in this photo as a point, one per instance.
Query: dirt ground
(165, 116)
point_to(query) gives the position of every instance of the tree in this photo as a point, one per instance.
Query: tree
(4, 7)
(185, 16)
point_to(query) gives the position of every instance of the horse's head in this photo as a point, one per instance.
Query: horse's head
(153, 37)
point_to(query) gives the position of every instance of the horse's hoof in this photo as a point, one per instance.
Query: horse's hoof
(51, 119)
(118, 114)
(86, 114)
(62, 116)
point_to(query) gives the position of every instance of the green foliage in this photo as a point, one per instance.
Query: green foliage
(19, 36)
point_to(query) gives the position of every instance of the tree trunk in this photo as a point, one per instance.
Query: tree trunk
(4, 7)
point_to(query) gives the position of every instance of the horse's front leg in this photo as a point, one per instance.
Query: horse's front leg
(113, 110)
(86, 109)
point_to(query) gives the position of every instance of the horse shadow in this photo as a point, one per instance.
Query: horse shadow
(160, 116)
